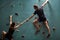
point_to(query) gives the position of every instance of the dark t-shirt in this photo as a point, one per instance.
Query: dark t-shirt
(40, 12)
(10, 33)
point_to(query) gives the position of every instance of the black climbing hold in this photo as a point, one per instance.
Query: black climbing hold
(54, 28)
(48, 35)
(16, 14)
(43, 32)
(22, 36)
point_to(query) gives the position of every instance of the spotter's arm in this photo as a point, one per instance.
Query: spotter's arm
(24, 21)
(44, 3)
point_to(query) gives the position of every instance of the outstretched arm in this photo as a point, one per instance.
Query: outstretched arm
(10, 19)
(44, 3)
(24, 21)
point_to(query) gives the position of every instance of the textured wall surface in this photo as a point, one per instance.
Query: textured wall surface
(24, 8)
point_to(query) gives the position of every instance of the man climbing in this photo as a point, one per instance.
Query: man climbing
(41, 18)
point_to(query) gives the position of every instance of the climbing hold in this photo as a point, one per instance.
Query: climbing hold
(16, 14)
(43, 32)
(48, 35)
(54, 28)
(22, 36)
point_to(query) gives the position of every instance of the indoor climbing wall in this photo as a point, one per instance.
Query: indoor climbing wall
(22, 9)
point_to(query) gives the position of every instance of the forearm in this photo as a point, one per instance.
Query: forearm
(20, 24)
(17, 26)
(30, 17)
(44, 3)
(24, 21)
(10, 19)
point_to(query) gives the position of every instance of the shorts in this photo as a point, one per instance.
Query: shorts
(42, 19)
